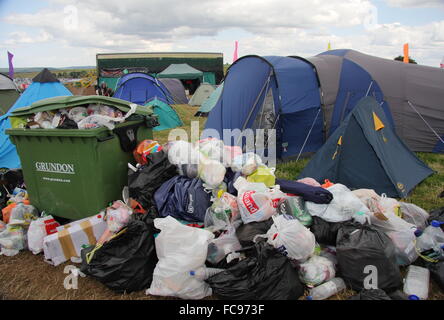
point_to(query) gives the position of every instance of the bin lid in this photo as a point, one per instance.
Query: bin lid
(56, 103)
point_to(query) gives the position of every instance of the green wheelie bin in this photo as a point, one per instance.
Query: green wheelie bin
(74, 173)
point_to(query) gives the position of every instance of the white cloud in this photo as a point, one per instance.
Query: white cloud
(415, 3)
(279, 27)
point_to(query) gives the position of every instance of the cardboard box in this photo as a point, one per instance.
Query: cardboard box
(67, 242)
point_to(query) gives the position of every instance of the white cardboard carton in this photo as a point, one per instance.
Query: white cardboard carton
(67, 242)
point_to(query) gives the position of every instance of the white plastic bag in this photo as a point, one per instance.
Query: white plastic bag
(257, 206)
(212, 172)
(414, 214)
(363, 194)
(342, 208)
(212, 149)
(291, 238)
(316, 271)
(182, 152)
(246, 163)
(36, 234)
(12, 240)
(180, 249)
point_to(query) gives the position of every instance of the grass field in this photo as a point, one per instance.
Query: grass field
(26, 276)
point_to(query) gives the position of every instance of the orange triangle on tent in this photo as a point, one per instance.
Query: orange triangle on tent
(340, 141)
(378, 123)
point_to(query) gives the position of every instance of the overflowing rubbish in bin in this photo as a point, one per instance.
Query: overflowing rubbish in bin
(203, 219)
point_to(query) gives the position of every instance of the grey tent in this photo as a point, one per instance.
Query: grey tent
(209, 103)
(9, 93)
(180, 71)
(365, 152)
(201, 94)
(175, 87)
(413, 95)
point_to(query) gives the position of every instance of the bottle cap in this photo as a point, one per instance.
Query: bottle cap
(436, 223)
(192, 273)
(413, 297)
(418, 232)
(309, 298)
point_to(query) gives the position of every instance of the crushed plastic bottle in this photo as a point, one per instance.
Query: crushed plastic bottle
(431, 240)
(204, 273)
(327, 289)
(416, 284)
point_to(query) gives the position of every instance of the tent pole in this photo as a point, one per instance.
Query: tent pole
(370, 86)
(308, 135)
(255, 103)
(436, 134)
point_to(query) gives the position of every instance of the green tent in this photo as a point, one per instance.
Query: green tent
(181, 71)
(168, 117)
(8, 93)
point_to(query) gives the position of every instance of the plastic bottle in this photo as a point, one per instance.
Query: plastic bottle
(416, 284)
(327, 289)
(204, 273)
(431, 238)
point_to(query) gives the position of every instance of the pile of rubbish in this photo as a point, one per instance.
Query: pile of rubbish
(80, 117)
(207, 219)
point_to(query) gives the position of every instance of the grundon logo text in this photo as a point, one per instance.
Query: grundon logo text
(55, 167)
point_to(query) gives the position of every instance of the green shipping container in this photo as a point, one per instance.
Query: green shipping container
(74, 173)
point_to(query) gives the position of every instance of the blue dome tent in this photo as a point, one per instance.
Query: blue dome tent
(306, 100)
(140, 88)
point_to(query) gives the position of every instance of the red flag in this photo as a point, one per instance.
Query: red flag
(235, 51)
(11, 67)
(442, 63)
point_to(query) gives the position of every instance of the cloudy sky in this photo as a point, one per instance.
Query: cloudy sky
(57, 33)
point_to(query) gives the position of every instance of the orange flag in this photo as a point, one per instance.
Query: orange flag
(406, 53)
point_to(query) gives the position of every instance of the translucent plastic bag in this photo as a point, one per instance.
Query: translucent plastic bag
(223, 245)
(404, 241)
(246, 163)
(223, 212)
(182, 152)
(415, 215)
(77, 114)
(291, 238)
(23, 214)
(316, 271)
(212, 149)
(212, 172)
(342, 208)
(180, 249)
(363, 194)
(12, 240)
(117, 216)
(390, 205)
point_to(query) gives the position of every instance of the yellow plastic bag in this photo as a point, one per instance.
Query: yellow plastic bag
(263, 174)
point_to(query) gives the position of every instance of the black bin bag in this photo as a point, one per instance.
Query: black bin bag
(143, 184)
(246, 232)
(264, 275)
(362, 249)
(325, 232)
(125, 263)
(371, 294)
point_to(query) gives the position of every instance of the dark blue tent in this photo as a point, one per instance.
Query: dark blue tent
(305, 100)
(140, 88)
(365, 152)
(272, 92)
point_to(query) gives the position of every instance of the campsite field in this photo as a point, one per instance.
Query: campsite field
(26, 276)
